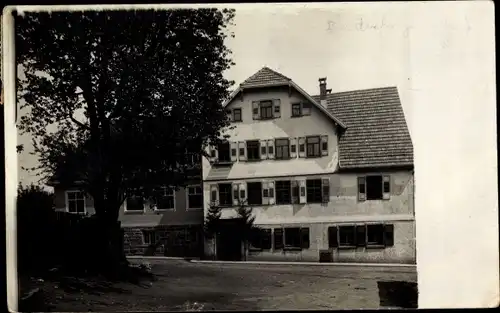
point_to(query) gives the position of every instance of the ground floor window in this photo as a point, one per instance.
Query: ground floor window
(364, 235)
(261, 239)
(291, 238)
(75, 201)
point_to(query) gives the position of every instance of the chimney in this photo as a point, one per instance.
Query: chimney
(322, 91)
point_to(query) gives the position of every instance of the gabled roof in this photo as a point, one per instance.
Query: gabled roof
(377, 134)
(266, 77)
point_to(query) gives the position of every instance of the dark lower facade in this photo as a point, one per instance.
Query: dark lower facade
(164, 240)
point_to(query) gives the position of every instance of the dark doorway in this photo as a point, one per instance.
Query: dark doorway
(229, 241)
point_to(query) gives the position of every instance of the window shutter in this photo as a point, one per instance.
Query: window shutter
(265, 193)
(278, 238)
(277, 108)
(293, 147)
(386, 187)
(230, 115)
(270, 149)
(242, 148)
(235, 194)
(302, 147)
(302, 190)
(295, 191)
(272, 195)
(234, 151)
(214, 194)
(243, 192)
(324, 145)
(255, 110)
(333, 237)
(325, 186)
(361, 188)
(304, 238)
(389, 235)
(306, 108)
(263, 149)
(360, 235)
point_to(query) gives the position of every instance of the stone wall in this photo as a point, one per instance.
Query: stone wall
(175, 241)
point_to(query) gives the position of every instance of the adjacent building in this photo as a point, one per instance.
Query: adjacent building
(328, 177)
(172, 225)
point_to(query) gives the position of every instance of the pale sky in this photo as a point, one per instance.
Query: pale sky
(441, 57)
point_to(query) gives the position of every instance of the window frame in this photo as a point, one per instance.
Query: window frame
(296, 106)
(263, 107)
(228, 144)
(77, 191)
(382, 236)
(384, 182)
(188, 194)
(165, 189)
(351, 245)
(281, 148)
(248, 159)
(230, 194)
(314, 144)
(320, 201)
(283, 189)
(260, 192)
(234, 115)
(127, 210)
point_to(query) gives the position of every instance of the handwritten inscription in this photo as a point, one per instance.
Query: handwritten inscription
(359, 25)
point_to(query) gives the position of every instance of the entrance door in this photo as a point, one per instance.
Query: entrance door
(229, 241)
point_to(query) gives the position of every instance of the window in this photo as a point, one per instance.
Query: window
(292, 237)
(347, 236)
(195, 197)
(313, 148)
(253, 150)
(261, 239)
(135, 202)
(374, 187)
(76, 202)
(375, 235)
(254, 193)
(296, 237)
(333, 240)
(237, 115)
(266, 109)
(283, 192)
(296, 109)
(282, 149)
(165, 200)
(224, 152)
(314, 194)
(225, 192)
(149, 237)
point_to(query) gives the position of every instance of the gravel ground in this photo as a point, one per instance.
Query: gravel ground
(182, 286)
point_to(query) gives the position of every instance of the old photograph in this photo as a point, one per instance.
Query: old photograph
(219, 158)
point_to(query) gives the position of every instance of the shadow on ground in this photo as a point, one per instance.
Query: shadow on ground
(398, 294)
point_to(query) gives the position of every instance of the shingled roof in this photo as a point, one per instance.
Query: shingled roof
(377, 134)
(265, 77)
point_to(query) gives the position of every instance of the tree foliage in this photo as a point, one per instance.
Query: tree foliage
(212, 218)
(117, 99)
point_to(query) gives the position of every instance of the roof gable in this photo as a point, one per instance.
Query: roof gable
(267, 77)
(377, 134)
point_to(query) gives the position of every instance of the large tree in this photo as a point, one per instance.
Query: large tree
(116, 99)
